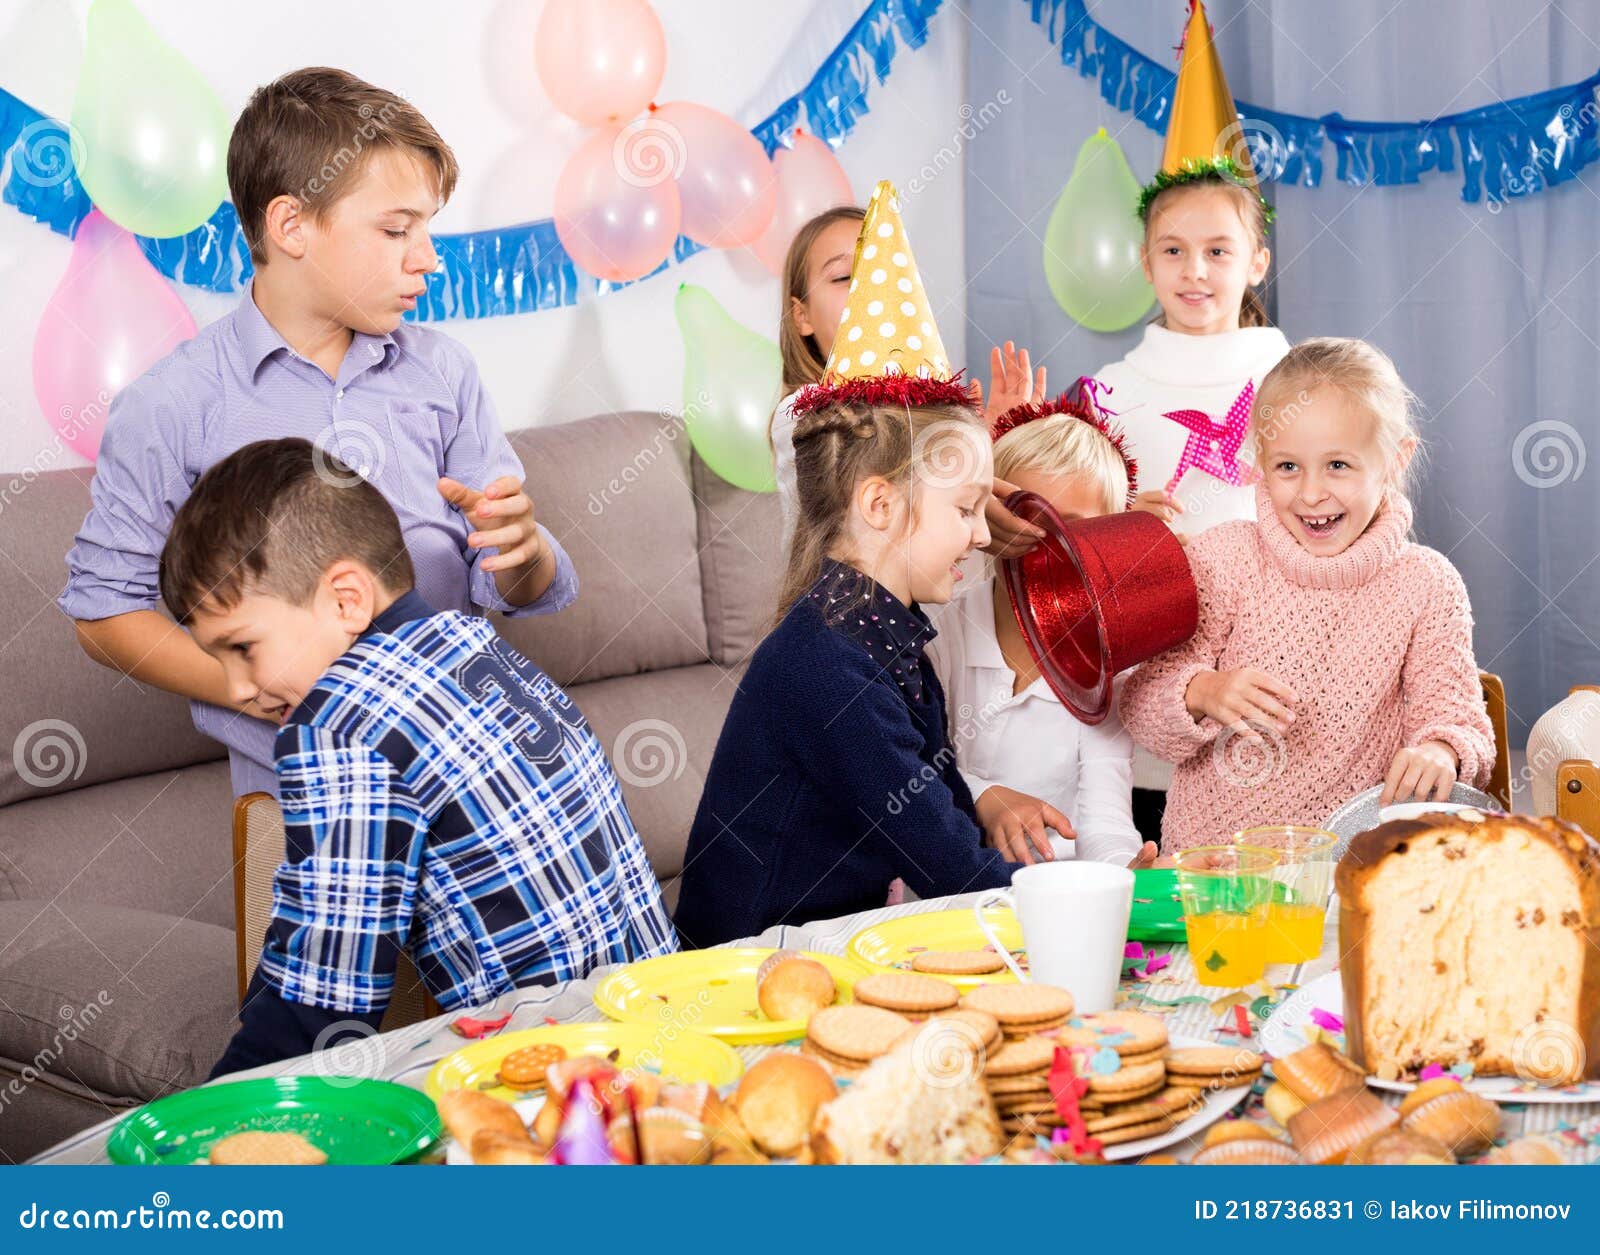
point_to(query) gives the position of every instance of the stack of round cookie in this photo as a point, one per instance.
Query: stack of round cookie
(1022, 1010)
(906, 993)
(844, 1039)
(1018, 1079)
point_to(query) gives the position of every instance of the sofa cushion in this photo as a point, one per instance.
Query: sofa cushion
(160, 842)
(741, 562)
(614, 490)
(122, 1002)
(66, 721)
(659, 731)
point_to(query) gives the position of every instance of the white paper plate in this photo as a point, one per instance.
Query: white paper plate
(1283, 1034)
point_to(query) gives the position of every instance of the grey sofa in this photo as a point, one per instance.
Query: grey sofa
(117, 949)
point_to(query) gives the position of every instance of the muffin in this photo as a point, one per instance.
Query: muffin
(1326, 1131)
(790, 986)
(1466, 1122)
(777, 1100)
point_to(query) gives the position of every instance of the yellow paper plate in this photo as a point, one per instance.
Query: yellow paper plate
(709, 991)
(891, 945)
(676, 1054)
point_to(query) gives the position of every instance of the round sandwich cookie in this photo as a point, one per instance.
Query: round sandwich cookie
(526, 1068)
(1021, 1008)
(855, 1032)
(906, 993)
(1021, 1056)
(1025, 1083)
(1124, 1084)
(1131, 1132)
(834, 1065)
(1132, 1034)
(1175, 1105)
(257, 1147)
(1214, 1067)
(958, 962)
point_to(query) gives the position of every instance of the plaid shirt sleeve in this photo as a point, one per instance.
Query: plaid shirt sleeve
(343, 900)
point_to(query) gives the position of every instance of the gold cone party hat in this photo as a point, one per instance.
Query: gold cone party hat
(1202, 107)
(1204, 136)
(887, 350)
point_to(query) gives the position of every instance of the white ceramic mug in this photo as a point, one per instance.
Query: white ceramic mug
(1074, 918)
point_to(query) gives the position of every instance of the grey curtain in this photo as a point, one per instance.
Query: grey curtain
(1492, 317)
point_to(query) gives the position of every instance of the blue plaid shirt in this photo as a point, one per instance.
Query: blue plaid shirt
(443, 796)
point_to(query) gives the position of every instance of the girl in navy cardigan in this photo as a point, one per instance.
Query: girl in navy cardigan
(834, 774)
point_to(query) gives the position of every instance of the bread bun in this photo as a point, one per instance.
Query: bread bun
(790, 986)
(778, 1098)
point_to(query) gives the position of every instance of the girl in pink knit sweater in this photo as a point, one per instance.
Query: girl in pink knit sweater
(1333, 653)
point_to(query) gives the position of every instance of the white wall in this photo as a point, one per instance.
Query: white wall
(469, 67)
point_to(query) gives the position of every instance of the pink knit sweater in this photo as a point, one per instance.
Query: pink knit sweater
(1376, 643)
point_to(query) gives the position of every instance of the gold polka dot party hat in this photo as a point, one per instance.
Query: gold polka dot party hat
(887, 349)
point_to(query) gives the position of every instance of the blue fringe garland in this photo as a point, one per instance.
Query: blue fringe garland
(1509, 149)
(1506, 150)
(506, 270)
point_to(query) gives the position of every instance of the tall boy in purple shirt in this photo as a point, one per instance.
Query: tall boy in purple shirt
(335, 181)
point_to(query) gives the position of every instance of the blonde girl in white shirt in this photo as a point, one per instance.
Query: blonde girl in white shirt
(1031, 764)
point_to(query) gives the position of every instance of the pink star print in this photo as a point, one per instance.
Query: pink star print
(1214, 447)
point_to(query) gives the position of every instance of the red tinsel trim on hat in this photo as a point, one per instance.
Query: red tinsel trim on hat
(1075, 401)
(904, 391)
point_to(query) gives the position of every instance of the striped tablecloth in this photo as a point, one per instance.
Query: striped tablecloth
(406, 1055)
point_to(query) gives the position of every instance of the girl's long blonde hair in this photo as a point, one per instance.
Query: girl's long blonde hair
(1252, 309)
(803, 357)
(837, 447)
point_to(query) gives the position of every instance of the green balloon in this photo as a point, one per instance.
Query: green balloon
(732, 379)
(153, 135)
(1093, 240)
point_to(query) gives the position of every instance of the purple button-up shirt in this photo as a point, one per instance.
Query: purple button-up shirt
(405, 409)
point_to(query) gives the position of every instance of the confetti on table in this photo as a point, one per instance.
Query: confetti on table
(1327, 1019)
(466, 1026)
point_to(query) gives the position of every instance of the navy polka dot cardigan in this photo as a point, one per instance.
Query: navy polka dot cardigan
(833, 775)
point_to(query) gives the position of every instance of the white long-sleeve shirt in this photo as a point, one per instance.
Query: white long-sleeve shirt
(1031, 742)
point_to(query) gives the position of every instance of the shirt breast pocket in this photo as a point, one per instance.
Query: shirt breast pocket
(417, 437)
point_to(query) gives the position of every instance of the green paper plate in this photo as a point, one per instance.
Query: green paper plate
(352, 1120)
(1157, 913)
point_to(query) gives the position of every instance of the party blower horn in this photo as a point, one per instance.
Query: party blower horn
(1097, 596)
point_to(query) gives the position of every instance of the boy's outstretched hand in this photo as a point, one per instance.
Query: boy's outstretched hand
(1012, 382)
(1015, 823)
(1009, 536)
(502, 516)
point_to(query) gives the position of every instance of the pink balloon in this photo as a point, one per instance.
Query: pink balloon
(615, 220)
(111, 318)
(600, 60)
(810, 180)
(724, 178)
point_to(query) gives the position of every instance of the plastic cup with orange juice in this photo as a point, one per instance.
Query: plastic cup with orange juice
(1227, 890)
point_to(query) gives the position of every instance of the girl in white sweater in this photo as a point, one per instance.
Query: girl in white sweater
(1205, 250)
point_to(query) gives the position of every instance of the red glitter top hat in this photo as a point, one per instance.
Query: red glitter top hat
(1097, 596)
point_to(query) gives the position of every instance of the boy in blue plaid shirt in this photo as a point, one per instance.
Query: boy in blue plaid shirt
(441, 795)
